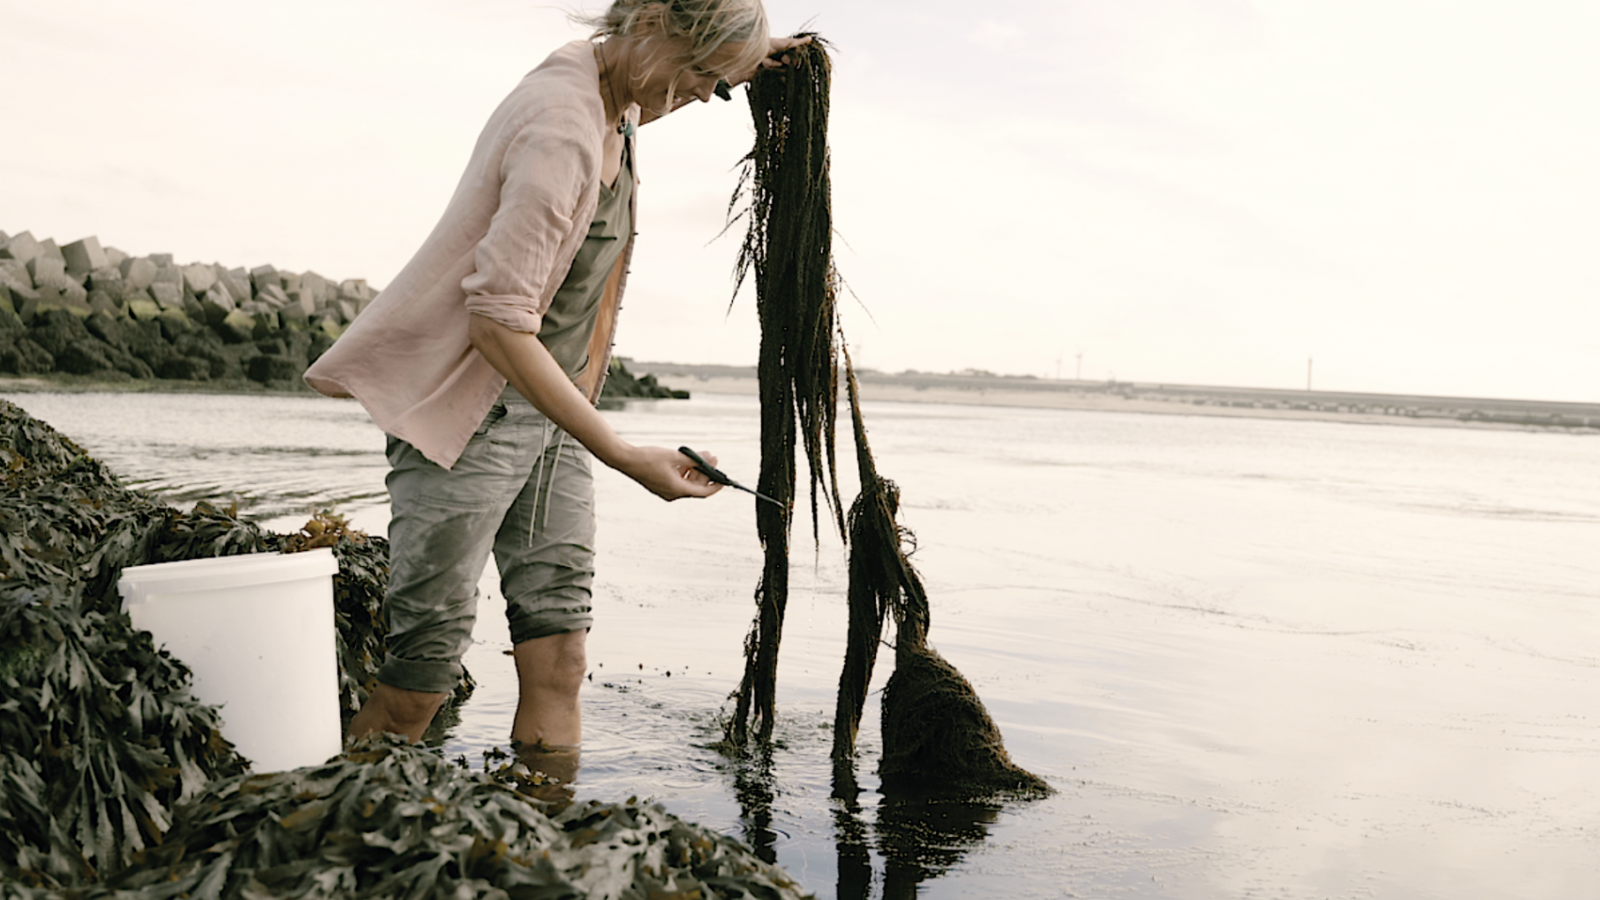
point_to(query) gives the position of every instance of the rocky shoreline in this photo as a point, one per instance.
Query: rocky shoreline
(84, 313)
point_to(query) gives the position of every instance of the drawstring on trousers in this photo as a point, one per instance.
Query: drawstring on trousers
(542, 488)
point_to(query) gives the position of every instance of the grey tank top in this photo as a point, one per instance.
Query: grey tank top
(569, 322)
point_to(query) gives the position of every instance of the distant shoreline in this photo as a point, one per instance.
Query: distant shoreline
(61, 383)
(1182, 400)
(1005, 391)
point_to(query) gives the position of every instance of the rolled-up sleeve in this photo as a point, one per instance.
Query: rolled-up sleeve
(543, 174)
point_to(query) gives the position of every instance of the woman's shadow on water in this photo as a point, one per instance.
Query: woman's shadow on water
(919, 838)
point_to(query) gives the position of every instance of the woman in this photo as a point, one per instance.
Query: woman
(483, 359)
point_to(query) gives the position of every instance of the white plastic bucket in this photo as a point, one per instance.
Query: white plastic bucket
(258, 633)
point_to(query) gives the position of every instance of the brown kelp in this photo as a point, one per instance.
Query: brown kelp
(937, 735)
(388, 819)
(99, 734)
(788, 246)
(99, 739)
(881, 579)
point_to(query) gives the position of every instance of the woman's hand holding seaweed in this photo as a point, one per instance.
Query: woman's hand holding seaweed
(777, 56)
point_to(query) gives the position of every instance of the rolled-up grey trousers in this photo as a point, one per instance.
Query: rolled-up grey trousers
(522, 488)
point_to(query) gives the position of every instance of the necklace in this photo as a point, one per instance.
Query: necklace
(624, 127)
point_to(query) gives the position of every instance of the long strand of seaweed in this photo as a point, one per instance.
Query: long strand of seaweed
(789, 247)
(937, 735)
(881, 578)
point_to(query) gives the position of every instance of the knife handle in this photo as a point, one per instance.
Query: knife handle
(711, 472)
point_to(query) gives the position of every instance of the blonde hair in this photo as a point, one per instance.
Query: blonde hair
(705, 25)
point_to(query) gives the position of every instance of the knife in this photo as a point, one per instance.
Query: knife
(717, 475)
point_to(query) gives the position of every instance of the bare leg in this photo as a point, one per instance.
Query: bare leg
(550, 671)
(397, 711)
(552, 772)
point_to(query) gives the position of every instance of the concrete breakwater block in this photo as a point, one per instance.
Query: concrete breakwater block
(235, 281)
(14, 278)
(237, 327)
(316, 287)
(216, 305)
(143, 308)
(198, 278)
(169, 274)
(155, 317)
(21, 247)
(262, 276)
(137, 273)
(84, 256)
(273, 296)
(272, 367)
(107, 280)
(168, 294)
(100, 301)
(47, 247)
(47, 271)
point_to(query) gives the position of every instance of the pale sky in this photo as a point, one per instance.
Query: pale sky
(1184, 191)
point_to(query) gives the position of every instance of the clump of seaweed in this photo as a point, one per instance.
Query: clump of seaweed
(99, 739)
(99, 735)
(387, 819)
(937, 735)
(788, 246)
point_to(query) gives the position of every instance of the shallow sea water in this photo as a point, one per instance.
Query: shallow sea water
(1257, 658)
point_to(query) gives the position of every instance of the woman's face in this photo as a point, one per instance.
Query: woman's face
(655, 91)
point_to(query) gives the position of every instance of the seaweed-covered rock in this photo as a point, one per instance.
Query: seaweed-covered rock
(270, 367)
(108, 328)
(146, 342)
(185, 368)
(206, 345)
(57, 329)
(320, 341)
(21, 356)
(84, 357)
(622, 385)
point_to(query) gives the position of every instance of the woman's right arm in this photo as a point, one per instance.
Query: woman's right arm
(543, 172)
(529, 367)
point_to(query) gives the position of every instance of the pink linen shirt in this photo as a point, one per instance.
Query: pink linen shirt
(501, 250)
